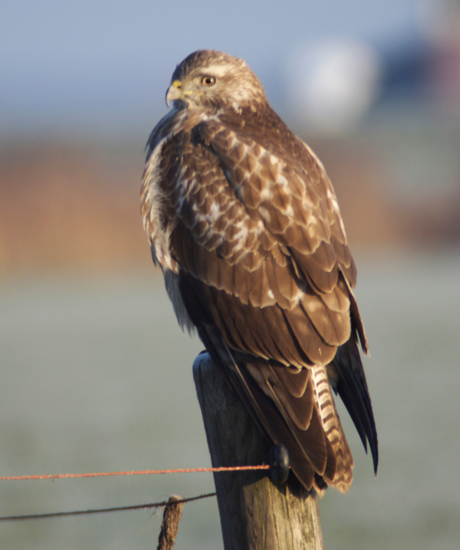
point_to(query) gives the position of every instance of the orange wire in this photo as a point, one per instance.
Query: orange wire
(139, 472)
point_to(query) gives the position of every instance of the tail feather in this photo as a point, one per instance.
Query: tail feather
(348, 380)
(319, 452)
(342, 476)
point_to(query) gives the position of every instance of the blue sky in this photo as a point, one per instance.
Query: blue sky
(106, 64)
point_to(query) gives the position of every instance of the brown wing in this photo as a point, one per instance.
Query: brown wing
(257, 244)
(266, 230)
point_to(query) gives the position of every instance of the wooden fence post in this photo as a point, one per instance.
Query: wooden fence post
(255, 513)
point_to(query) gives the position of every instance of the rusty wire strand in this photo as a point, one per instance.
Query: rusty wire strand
(138, 473)
(104, 510)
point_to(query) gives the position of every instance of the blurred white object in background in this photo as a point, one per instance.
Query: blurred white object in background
(333, 83)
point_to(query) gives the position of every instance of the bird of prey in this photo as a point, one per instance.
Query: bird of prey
(244, 223)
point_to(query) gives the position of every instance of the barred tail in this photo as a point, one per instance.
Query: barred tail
(343, 473)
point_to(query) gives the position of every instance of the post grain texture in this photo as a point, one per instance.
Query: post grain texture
(255, 513)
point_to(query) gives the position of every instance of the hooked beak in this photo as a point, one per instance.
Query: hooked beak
(173, 92)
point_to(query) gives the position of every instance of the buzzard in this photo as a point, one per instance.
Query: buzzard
(245, 225)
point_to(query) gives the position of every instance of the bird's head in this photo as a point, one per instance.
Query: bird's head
(213, 80)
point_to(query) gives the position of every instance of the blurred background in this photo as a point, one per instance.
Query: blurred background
(96, 376)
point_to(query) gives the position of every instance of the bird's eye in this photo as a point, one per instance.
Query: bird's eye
(208, 81)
